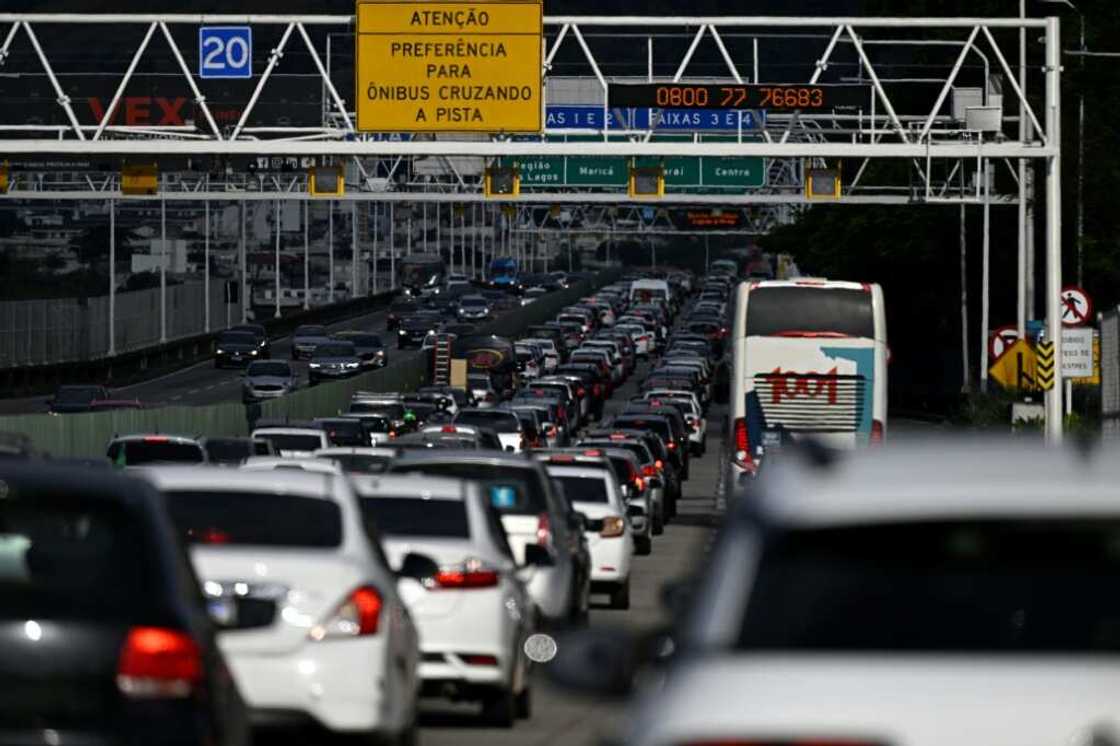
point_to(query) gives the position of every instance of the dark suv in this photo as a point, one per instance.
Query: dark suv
(105, 635)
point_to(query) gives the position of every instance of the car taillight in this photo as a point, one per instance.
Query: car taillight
(597, 390)
(158, 663)
(640, 484)
(649, 470)
(480, 660)
(471, 574)
(544, 530)
(743, 455)
(489, 397)
(659, 464)
(877, 431)
(696, 426)
(613, 526)
(672, 445)
(581, 392)
(358, 615)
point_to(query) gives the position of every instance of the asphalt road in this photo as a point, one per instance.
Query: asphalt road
(559, 717)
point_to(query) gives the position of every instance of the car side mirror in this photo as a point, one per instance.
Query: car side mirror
(418, 567)
(537, 556)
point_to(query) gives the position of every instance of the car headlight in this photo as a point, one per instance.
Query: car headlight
(221, 351)
(252, 352)
(351, 365)
(315, 366)
(381, 353)
(402, 332)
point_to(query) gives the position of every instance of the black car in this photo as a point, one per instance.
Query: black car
(258, 331)
(236, 349)
(104, 632)
(75, 399)
(413, 329)
(397, 311)
(371, 350)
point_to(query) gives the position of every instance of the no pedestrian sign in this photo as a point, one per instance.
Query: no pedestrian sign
(449, 67)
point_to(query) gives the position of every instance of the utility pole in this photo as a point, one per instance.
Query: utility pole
(277, 314)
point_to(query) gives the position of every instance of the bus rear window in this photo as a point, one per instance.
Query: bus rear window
(778, 311)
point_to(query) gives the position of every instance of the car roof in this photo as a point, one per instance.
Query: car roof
(1006, 479)
(155, 436)
(288, 431)
(580, 472)
(280, 482)
(497, 458)
(410, 486)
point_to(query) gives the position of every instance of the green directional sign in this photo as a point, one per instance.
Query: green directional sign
(733, 172)
(601, 172)
(691, 174)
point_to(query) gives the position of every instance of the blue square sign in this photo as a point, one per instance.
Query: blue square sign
(225, 52)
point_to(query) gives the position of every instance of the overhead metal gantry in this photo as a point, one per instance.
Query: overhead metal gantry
(905, 149)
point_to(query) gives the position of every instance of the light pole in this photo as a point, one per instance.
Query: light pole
(1081, 55)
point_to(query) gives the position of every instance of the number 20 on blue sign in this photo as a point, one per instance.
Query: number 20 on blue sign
(225, 52)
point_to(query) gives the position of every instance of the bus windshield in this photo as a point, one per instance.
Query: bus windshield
(809, 312)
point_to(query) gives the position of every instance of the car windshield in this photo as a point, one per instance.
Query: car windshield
(236, 338)
(293, 441)
(155, 451)
(776, 311)
(335, 349)
(232, 451)
(62, 557)
(255, 519)
(510, 489)
(478, 382)
(978, 586)
(476, 302)
(76, 395)
(310, 331)
(502, 422)
(269, 368)
(405, 516)
(345, 433)
(583, 489)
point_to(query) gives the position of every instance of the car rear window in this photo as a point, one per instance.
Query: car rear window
(660, 427)
(500, 422)
(269, 368)
(985, 586)
(404, 516)
(584, 489)
(293, 442)
(255, 519)
(62, 557)
(228, 451)
(137, 452)
(345, 433)
(510, 489)
(76, 394)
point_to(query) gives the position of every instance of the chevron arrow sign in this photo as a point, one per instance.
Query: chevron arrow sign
(1045, 369)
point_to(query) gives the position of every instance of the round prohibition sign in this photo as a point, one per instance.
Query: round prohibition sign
(1001, 339)
(1076, 306)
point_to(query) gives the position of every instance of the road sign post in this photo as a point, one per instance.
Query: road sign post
(449, 67)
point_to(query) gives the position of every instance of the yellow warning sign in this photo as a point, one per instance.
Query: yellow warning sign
(1016, 368)
(449, 67)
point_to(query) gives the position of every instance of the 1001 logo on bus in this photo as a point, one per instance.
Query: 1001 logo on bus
(789, 386)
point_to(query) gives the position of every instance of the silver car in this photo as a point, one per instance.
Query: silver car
(306, 338)
(268, 379)
(533, 514)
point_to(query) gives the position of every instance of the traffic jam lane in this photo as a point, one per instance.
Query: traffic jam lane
(559, 717)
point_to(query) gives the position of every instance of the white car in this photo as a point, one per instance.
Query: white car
(313, 625)
(611, 348)
(481, 389)
(551, 354)
(596, 494)
(358, 460)
(693, 416)
(643, 340)
(502, 421)
(881, 597)
(474, 614)
(312, 465)
(293, 442)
